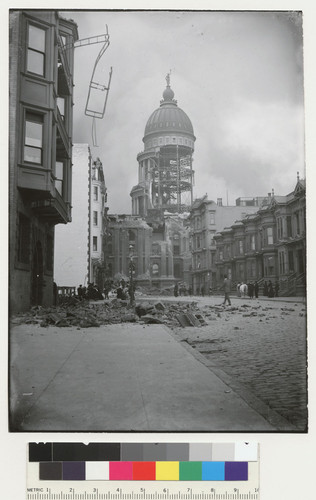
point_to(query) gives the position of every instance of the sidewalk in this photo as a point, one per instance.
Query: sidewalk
(118, 378)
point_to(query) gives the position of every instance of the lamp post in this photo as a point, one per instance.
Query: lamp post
(131, 272)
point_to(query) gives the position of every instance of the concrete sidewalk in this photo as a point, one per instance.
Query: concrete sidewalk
(125, 377)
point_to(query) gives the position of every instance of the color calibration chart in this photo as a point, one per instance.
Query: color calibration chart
(143, 471)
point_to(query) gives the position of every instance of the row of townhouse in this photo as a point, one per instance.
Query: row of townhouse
(267, 245)
(206, 219)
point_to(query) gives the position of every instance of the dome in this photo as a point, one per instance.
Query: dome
(168, 118)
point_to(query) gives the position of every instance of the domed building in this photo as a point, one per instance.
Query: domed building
(165, 174)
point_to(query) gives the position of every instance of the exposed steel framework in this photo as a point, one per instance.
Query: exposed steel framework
(172, 179)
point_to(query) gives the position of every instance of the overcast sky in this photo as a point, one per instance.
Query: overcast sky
(237, 75)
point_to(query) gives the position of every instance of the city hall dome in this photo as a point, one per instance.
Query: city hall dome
(168, 118)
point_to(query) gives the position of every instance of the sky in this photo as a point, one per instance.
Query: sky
(237, 75)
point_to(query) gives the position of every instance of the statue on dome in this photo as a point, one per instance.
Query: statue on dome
(168, 79)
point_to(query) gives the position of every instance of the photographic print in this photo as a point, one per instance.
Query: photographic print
(157, 221)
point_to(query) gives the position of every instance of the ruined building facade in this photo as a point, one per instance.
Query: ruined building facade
(79, 252)
(157, 233)
(40, 149)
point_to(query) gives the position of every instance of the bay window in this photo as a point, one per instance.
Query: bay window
(33, 141)
(36, 50)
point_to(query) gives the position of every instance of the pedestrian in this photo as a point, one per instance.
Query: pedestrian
(190, 290)
(276, 288)
(79, 292)
(238, 290)
(265, 289)
(176, 290)
(226, 290)
(270, 290)
(250, 290)
(256, 287)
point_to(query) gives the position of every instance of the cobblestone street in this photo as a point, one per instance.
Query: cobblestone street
(262, 345)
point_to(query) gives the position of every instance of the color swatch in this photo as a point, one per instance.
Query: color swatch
(143, 461)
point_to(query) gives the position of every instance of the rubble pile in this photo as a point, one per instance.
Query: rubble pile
(86, 314)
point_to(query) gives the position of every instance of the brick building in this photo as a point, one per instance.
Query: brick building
(40, 148)
(267, 245)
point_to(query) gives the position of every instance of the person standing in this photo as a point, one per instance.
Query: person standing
(250, 290)
(276, 288)
(265, 289)
(270, 290)
(226, 290)
(256, 289)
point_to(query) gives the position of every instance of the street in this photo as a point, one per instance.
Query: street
(244, 370)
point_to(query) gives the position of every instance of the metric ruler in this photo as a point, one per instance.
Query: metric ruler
(143, 493)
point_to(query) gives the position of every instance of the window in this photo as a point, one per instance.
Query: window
(131, 235)
(270, 235)
(252, 242)
(61, 106)
(95, 243)
(291, 261)
(24, 239)
(212, 232)
(95, 218)
(289, 226)
(269, 266)
(64, 40)
(176, 249)
(36, 50)
(281, 263)
(95, 193)
(297, 218)
(33, 142)
(59, 174)
(155, 269)
(212, 218)
(241, 247)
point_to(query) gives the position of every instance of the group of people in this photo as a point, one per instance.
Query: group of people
(125, 290)
(91, 292)
(250, 289)
(181, 289)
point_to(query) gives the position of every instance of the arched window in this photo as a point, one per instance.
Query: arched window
(155, 269)
(131, 235)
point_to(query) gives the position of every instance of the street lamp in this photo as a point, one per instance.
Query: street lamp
(131, 273)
